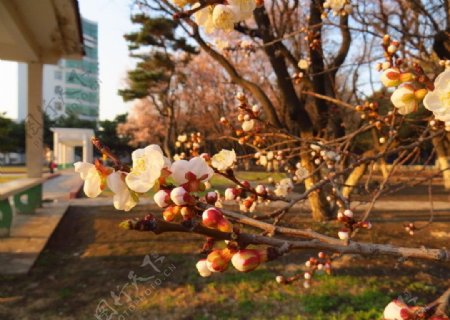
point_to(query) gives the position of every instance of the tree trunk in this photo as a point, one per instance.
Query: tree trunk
(320, 207)
(353, 179)
(442, 159)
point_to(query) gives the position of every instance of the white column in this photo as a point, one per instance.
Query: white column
(34, 141)
(70, 154)
(62, 161)
(55, 146)
(87, 150)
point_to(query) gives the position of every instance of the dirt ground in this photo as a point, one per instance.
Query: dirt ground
(91, 266)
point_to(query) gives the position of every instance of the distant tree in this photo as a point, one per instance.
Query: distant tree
(156, 45)
(117, 142)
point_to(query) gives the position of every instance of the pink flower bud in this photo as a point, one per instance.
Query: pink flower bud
(231, 193)
(348, 213)
(211, 197)
(213, 218)
(180, 196)
(397, 310)
(260, 189)
(202, 268)
(218, 260)
(162, 198)
(248, 259)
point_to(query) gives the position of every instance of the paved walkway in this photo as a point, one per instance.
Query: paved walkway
(59, 188)
(30, 233)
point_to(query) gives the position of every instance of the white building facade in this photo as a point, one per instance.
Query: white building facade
(72, 86)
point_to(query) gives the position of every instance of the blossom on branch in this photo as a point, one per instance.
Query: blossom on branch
(191, 173)
(404, 99)
(438, 101)
(223, 160)
(123, 199)
(94, 177)
(147, 166)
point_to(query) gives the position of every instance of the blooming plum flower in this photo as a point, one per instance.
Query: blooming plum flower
(123, 198)
(223, 160)
(224, 17)
(147, 166)
(191, 173)
(284, 187)
(243, 8)
(94, 177)
(404, 99)
(438, 100)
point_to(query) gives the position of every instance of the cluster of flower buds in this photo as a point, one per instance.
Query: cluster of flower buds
(269, 159)
(247, 114)
(390, 47)
(245, 47)
(189, 144)
(338, 7)
(410, 228)
(314, 265)
(243, 260)
(411, 83)
(346, 217)
(369, 111)
(247, 196)
(319, 155)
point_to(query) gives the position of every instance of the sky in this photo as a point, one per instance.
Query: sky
(113, 18)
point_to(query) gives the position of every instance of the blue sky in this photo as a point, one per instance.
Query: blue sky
(113, 17)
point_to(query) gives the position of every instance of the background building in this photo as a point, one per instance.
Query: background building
(72, 86)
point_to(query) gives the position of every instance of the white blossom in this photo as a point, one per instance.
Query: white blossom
(284, 187)
(194, 169)
(438, 100)
(404, 99)
(223, 160)
(123, 199)
(146, 170)
(93, 182)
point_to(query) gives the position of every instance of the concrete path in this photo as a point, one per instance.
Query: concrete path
(61, 187)
(30, 233)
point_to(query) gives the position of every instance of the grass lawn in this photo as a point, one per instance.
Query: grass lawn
(89, 260)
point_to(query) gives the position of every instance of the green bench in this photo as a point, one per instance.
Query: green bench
(18, 196)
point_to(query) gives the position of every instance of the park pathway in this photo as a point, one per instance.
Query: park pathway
(62, 187)
(30, 232)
